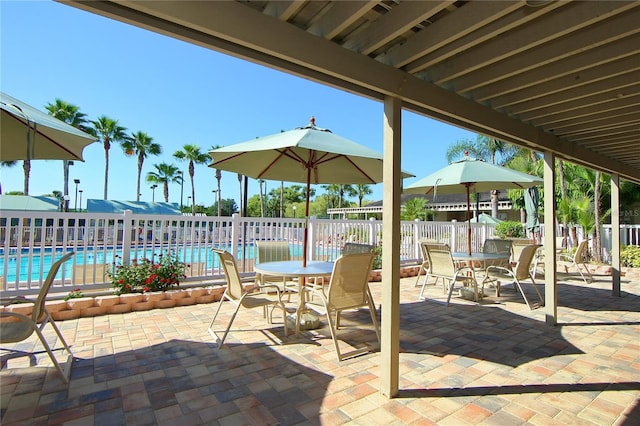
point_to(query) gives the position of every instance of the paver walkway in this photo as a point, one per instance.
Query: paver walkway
(490, 363)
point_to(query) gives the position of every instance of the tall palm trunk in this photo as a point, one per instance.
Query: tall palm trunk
(140, 162)
(166, 191)
(494, 203)
(65, 174)
(219, 178)
(240, 184)
(563, 191)
(26, 166)
(596, 207)
(107, 146)
(193, 188)
(281, 198)
(261, 199)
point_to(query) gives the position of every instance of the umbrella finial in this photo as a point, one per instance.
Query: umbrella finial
(312, 121)
(466, 153)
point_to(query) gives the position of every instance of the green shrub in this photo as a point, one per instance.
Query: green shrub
(162, 274)
(377, 261)
(630, 256)
(510, 229)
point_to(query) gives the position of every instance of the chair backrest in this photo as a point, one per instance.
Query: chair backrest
(497, 245)
(440, 260)
(581, 251)
(517, 244)
(523, 267)
(228, 264)
(46, 285)
(349, 283)
(352, 248)
(273, 251)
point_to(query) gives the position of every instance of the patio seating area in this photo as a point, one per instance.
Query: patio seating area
(495, 362)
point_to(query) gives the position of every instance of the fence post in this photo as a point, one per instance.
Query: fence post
(236, 234)
(311, 235)
(126, 236)
(373, 238)
(454, 238)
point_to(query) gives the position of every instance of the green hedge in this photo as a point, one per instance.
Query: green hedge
(630, 256)
(510, 229)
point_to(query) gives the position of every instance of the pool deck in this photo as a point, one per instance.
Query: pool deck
(493, 363)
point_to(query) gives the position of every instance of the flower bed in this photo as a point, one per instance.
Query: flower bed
(77, 307)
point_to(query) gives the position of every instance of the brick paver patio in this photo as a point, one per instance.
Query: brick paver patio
(490, 363)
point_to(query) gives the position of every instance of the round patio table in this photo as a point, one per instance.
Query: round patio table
(294, 268)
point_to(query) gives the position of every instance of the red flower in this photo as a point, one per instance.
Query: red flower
(120, 281)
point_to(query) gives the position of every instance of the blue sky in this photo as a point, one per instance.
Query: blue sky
(179, 94)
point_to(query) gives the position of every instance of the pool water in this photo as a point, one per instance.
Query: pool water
(42, 259)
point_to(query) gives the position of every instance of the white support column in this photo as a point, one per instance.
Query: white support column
(615, 235)
(550, 282)
(390, 346)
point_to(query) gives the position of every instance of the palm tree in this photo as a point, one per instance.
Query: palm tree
(241, 202)
(107, 130)
(483, 148)
(141, 145)
(218, 179)
(71, 115)
(192, 154)
(164, 174)
(362, 191)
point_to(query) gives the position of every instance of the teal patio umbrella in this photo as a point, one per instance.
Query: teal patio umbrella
(309, 155)
(485, 218)
(27, 133)
(471, 175)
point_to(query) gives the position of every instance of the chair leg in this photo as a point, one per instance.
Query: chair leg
(424, 284)
(451, 285)
(67, 369)
(233, 317)
(582, 275)
(535, 287)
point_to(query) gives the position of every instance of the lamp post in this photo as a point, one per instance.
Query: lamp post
(294, 211)
(80, 199)
(77, 182)
(188, 200)
(181, 187)
(153, 193)
(215, 200)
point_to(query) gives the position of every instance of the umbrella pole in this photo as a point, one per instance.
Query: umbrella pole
(306, 220)
(468, 220)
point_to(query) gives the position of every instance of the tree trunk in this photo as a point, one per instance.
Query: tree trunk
(26, 166)
(106, 167)
(240, 184)
(140, 161)
(563, 193)
(281, 198)
(596, 201)
(65, 176)
(219, 178)
(494, 203)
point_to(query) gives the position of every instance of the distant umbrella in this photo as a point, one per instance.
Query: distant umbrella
(471, 175)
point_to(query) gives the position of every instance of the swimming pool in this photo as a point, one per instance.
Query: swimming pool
(35, 262)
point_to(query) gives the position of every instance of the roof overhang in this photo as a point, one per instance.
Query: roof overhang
(552, 76)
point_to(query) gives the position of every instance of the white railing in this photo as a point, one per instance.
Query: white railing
(29, 242)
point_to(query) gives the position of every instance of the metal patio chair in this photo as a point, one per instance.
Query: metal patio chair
(15, 327)
(516, 274)
(258, 296)
(349, 289)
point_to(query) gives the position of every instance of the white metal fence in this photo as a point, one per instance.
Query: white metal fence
(31, 241)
